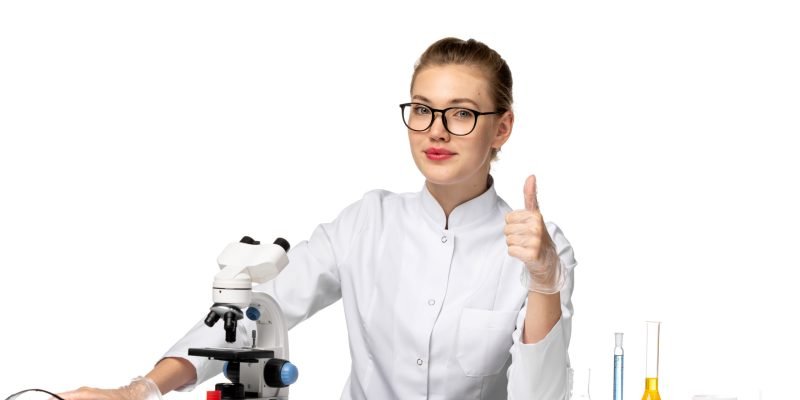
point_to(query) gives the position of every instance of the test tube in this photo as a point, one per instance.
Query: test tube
(619, 355)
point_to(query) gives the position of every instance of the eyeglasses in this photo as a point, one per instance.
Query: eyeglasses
(458, 121)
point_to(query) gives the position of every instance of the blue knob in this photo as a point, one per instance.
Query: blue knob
(279, 373)
(288, 374)
(253, 314)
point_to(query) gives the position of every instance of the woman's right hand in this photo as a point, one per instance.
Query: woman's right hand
(169, 374)
(140, 388)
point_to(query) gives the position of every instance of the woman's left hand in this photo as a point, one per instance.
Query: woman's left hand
(528, 241)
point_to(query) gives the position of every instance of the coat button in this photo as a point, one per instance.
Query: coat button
(419, 361)
(431, 302)
(444, 239)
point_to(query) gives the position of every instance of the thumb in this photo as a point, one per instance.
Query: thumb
(531, 203)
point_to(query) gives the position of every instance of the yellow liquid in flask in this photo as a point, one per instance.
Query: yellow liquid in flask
(651, 389)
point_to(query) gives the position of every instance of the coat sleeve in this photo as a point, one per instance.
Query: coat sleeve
(309, 283)
(540, 370)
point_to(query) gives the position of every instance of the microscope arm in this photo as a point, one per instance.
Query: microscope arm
(271, 333)
(271, 328)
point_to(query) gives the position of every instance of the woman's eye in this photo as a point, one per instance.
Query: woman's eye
(463, 114)
(422, 110)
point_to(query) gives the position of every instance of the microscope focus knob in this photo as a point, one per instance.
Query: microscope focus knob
(279, 373)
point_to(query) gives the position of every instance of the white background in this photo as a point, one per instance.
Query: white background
(139, 138)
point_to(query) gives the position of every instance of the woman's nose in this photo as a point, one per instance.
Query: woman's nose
(437, 129)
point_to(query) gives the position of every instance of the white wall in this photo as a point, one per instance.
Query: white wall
(138, 138)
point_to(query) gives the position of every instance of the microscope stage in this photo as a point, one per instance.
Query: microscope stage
(238, 355)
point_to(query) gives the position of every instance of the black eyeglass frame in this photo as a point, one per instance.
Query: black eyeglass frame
(444, 118)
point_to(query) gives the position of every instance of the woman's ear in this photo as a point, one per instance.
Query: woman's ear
(504, 125)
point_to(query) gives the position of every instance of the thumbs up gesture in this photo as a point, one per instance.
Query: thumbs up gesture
(528, 241)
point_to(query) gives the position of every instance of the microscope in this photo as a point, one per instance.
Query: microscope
(261, 371)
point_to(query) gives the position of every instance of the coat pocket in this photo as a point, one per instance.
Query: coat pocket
(484, 340)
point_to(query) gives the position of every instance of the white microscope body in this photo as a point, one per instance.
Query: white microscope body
(262, 371)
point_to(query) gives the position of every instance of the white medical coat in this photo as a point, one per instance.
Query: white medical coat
(431, 313)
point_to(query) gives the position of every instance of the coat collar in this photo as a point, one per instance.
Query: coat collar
(473, 211)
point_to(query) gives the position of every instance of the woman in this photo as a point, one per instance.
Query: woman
(430, 281)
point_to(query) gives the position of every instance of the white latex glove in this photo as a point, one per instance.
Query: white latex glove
(140, 388)
(529, 241)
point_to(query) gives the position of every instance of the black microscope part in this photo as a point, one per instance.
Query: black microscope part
(238, 355)
(282, 242)
(230, 327)
(212, 319)
(232, 371)
(249, 240)
(231, 390)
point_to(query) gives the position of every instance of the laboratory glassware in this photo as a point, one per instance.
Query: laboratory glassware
(619, 356)
(651, 375)
(581, 380)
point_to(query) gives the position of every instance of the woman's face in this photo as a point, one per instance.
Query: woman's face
(446, 159)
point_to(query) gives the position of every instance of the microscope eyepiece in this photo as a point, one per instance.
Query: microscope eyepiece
(279, 241)
(249, 240)
(282, 242)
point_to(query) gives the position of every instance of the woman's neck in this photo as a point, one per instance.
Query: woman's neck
(451, 196)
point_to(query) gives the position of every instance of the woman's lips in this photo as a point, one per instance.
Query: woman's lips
(438, 154)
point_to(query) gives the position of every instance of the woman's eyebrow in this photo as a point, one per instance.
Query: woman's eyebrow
(464, 100)
(453, 101)
(420, 98)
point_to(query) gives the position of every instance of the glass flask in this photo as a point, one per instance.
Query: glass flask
(579, 388)
(651, 374)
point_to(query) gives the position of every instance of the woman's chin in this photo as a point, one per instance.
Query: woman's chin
(440, 177)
